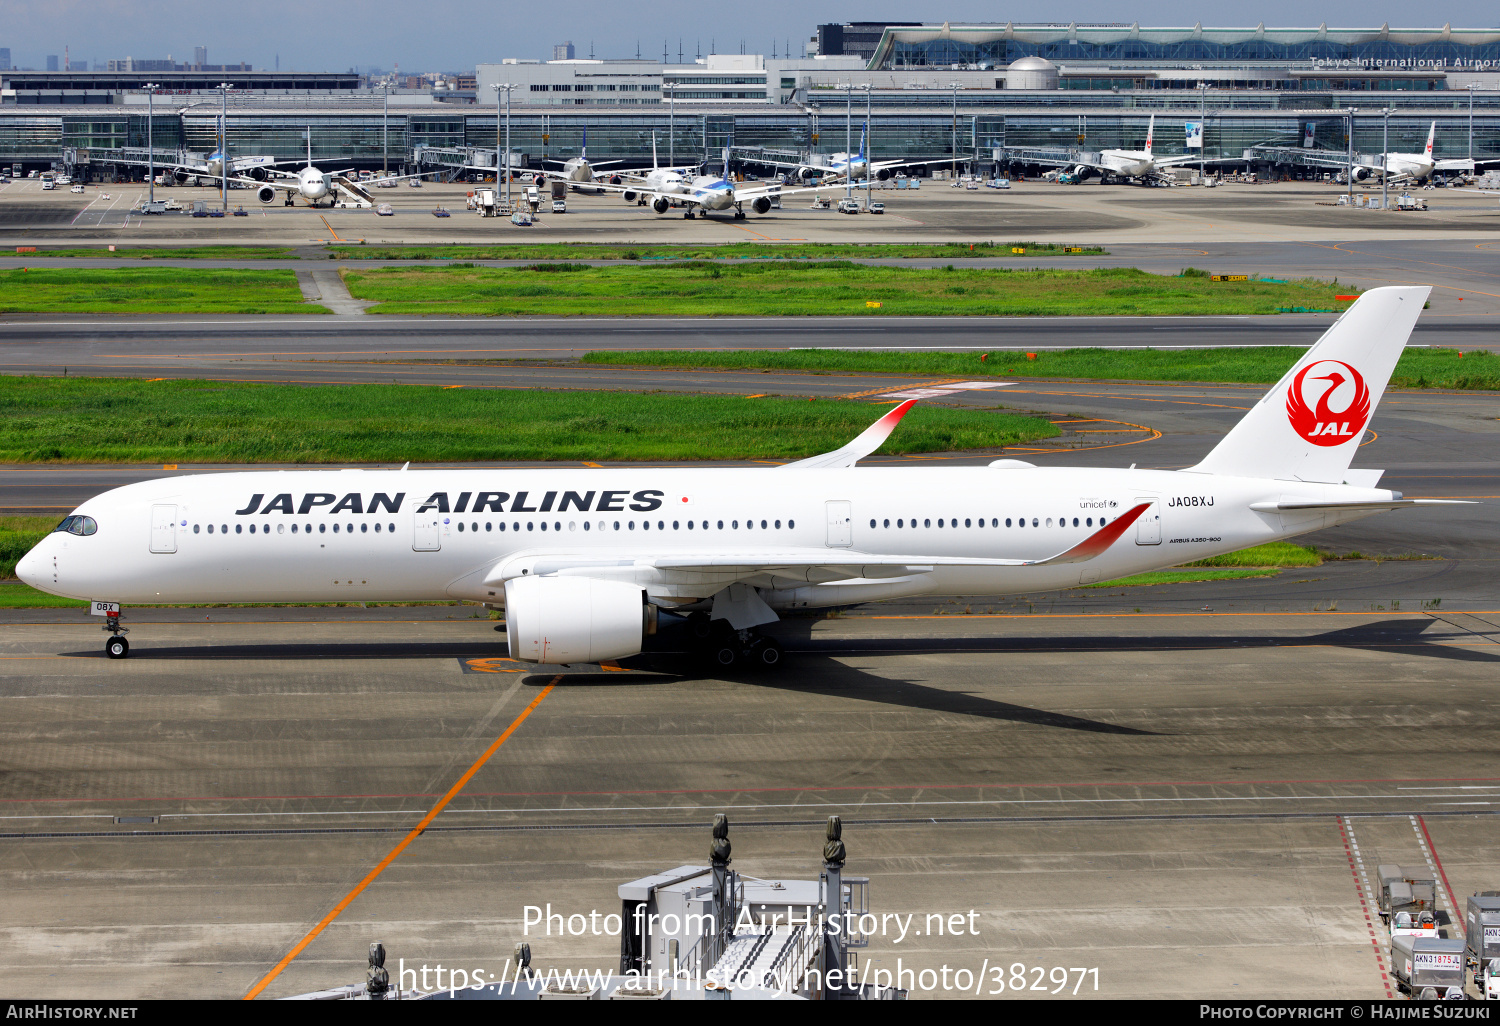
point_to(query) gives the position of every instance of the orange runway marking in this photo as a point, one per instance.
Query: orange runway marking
(330, 228)
(405, 841)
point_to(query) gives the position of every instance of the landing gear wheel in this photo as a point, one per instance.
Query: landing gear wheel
(726, 655)
(117, 647)
(739, 215)
(769, 655)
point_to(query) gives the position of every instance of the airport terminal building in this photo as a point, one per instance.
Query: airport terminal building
(937, 92)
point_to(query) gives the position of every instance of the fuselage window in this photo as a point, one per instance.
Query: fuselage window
(927, 523)
(488, 526)
(791, 525)
(210, 528)
(995, 522)
(883, 523)
(294, 528)
(1089, 522)
(1021, 522)
(195, 528)
(721, 525)
(676, 525)
(238, 528)
(1034, 522)
(1049, 521)
(940, 521)
(252, 528)
(223, 528)
(460, 527)
(1101, 521)
(762, 525)
(377, 528)
(617, 525)
(749, 525)
(1075, 521)
(778, 524)
(335, 529)
(587, 525)
(872, 522)
(530, 525)
(280, 528)
(900, 522)
(322, 528)
(735, 524)
(363, 528)
(661, 525)
(966, 522)
(516, 526)
(645, 525)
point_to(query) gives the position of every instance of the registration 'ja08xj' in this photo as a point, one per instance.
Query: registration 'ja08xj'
(582, 560)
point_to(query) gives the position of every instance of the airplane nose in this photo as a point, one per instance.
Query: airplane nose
(31, 567)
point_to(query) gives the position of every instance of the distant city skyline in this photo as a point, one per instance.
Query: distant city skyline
(455, 35)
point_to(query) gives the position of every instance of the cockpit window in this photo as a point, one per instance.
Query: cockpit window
(77, 525)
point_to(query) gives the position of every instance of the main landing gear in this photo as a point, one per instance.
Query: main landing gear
(739, 212)
(116, 647)
(728, 649)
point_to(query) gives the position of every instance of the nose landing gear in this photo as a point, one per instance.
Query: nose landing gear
(116, 647)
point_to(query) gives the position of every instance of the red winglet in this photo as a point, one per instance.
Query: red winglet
(1100, 540)
(891, 419)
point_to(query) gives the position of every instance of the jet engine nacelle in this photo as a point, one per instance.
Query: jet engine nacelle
(761, 204)
(265, 194)
(629, 196)
(575, 619)
(660, 204)
(1082, 171)
(180, 176)
(616, 180)
(258, 173)
(1362, 174)
(807, 174)
(883, 174)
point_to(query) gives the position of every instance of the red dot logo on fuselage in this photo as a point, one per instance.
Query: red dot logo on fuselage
(1328, 403)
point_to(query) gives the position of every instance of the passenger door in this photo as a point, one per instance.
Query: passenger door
(428, 533)
(1148, 527)
(163, 528)
(840, 524)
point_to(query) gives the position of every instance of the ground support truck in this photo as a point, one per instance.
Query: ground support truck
(1482, 931)
(1405, 889)
(1423, 964)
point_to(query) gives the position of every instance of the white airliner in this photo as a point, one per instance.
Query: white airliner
(664, 188)
(1417, 167)
(582, 559)
(315, 185)
(1136, 164)
(842, 165)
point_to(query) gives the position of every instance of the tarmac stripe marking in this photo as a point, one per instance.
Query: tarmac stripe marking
(395, 853)
(1455, 918)
(1362, 889)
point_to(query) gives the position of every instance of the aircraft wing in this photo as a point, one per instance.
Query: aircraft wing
(868, 441)
(798, 566)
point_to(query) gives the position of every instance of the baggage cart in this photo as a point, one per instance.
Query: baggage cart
(1422, 962)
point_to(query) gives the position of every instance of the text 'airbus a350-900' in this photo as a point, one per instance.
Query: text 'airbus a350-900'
(582, 560)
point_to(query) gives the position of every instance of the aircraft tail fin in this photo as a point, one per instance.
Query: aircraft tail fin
(863, 131)
(654, 164)
(583, 151)
(1150, 131)
(1431, 135)
(1310, 424)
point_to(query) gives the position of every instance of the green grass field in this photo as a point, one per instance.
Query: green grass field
(1418, 368)
(120, 420)
(1185, 577)
(148, 290)
(714, 289)
(165, 252)
(720, 251)
(17, 536)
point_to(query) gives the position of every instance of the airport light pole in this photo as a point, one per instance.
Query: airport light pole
(1202, 124)
(869, 132)
(1471, 87)
(1349, 155)
(1385, 159)
(849, 141)
(670, 88)
(385, 129)
(224, 143)
(954, 87)
(151, 88)
(507, 86)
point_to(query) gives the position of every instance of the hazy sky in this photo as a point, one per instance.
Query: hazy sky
(334, 35)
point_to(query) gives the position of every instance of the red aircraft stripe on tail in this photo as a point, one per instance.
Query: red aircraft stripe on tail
(1101, 539)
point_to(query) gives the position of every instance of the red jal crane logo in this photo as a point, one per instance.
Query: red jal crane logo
(1321, 424)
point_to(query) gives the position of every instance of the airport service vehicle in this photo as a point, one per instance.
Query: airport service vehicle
(1420, 963)
(877, 208)
(521, 218)
(1413, 924)
(384, 210)
(533, 198)
(48, 185)
(583, 559)
(848, 206)
(559, 206)
(153, 207)
(77, 187)
(415, 183)
(240, 212)
(1405, 889)
(1487, 980)
(441, 212)
(1482, 928)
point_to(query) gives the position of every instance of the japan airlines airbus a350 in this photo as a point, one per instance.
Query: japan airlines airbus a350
(581, 560)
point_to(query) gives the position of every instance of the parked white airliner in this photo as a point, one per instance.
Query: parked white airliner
(582, 559)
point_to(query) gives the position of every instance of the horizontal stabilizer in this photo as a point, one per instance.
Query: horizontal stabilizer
(1372, 506)
(869, 440)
